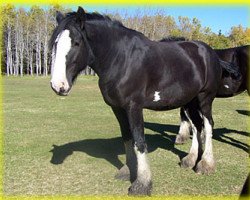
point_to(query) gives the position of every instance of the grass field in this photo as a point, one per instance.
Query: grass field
(72, 146)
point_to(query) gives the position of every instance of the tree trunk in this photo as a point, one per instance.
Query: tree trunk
(8, 51)
(16, 69)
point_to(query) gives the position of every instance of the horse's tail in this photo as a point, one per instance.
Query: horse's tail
(232, 69)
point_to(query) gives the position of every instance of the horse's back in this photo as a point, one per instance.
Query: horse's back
(184, 73)
(199, 59)
(161, 76)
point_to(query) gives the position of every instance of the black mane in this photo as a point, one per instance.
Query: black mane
(72, 16)
(95, 16)
(173, 38)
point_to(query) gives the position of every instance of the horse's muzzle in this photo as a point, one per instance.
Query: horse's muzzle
(62, 91)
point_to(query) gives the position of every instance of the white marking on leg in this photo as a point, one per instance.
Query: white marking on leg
(143, 170)
(184, 128)
(157, 96)
(202, 130)
(208, 152)
(201, 115)
(226, 86)
(195, 144)
(59, 61)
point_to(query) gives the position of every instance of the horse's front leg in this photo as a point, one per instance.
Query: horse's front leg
(127, 172)
(142, 185)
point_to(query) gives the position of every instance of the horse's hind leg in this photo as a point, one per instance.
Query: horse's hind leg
(192, 113)
(207, 163)
(185, 129)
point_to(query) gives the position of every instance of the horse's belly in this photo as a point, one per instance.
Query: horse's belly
(171, 97)
(167, 102)
(161, 107)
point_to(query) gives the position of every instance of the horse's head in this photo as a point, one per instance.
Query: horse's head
(71, 52)
(60, 153)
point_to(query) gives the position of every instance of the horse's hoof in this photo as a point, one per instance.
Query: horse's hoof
(181, 139)
(123, 173)
(188, 161)
(203, 167)
(139, 189)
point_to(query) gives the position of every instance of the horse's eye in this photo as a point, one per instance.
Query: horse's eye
(76, 43)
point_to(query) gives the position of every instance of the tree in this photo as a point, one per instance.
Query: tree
(26, 35)
(8, 18)
(20, 34)
(185, 27)
(238, 36)
(196, 29)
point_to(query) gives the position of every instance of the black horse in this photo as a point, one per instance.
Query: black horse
(235, 68)
(229, 86)
(239, 56)
(136, 73)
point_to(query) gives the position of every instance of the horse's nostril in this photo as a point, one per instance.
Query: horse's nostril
(62, 90)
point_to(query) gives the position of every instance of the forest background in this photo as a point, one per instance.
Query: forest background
(26, 35)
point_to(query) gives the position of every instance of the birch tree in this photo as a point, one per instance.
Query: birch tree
(26, 35)
(8, 15)
(21, 15)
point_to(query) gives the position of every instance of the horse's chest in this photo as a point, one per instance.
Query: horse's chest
(110, 94)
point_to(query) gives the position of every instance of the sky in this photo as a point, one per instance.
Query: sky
(216, 17)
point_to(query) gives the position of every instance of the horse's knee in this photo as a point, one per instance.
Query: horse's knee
(140, 146)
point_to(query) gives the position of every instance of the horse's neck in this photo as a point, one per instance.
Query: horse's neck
(103, 46)
(110, 44)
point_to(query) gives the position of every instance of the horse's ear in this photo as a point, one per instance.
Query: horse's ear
(81, 17)
(59, 16)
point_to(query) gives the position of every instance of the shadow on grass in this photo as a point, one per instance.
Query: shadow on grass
(220, 134)
(110, 148)
(244, 112)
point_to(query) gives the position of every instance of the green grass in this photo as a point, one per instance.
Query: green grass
(35, 119)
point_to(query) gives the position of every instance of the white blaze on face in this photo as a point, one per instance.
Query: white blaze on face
(59, 79)
(157, 96)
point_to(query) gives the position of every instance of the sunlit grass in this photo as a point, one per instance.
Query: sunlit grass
(35, 119)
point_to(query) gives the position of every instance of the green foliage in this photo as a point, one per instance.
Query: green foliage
(36, 25)
(239, 35)
(218, 41)
(7, 13)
